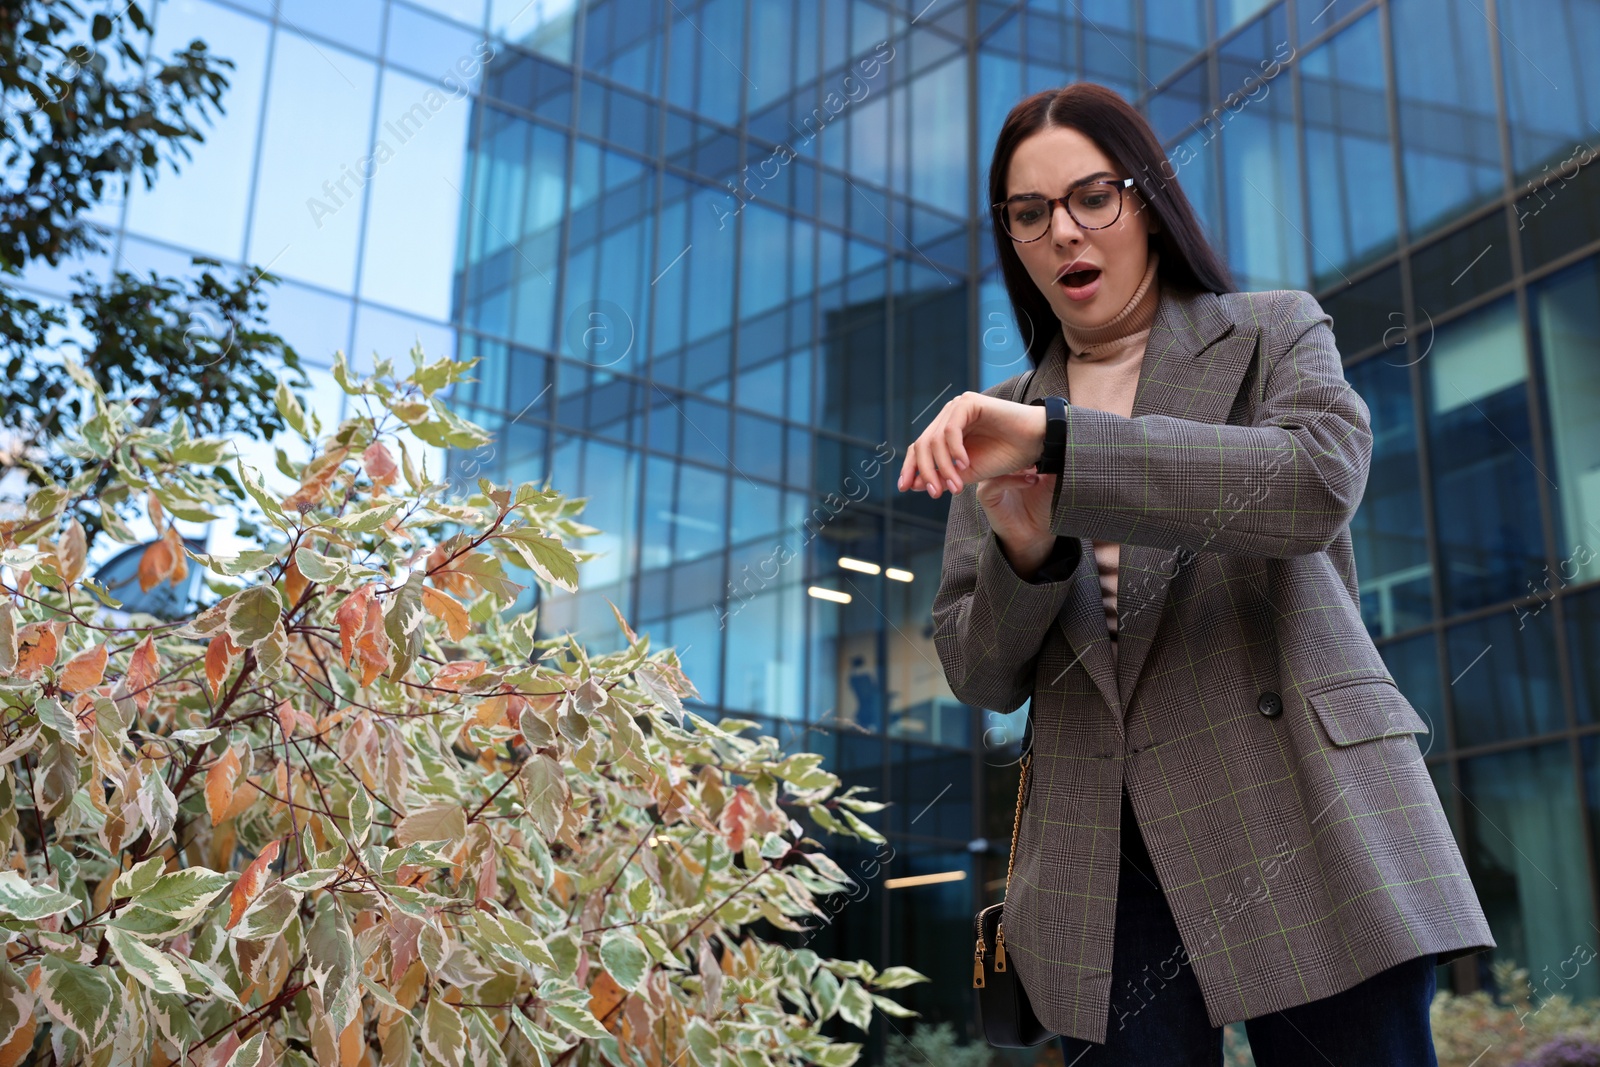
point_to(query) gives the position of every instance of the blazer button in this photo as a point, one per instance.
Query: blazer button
(1270, 704)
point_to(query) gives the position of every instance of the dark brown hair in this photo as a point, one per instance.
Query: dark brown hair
(1187, 260)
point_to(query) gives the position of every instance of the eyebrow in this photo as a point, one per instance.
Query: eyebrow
(1071, 185)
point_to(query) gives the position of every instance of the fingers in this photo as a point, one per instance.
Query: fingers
(927, 456)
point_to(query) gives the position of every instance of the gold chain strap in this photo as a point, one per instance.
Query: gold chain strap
(1016, 823)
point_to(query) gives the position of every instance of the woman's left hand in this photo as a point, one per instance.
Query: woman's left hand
(975, 436)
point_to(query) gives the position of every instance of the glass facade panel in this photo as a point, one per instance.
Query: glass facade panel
(1503, 678)
(1566, 320)
(1389, 528)
(1528, 859)
(1449, 137)
(1552, 85)
(1355, 213)
(1486, 504)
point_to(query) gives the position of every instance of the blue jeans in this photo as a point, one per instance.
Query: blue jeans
(1382, 1020)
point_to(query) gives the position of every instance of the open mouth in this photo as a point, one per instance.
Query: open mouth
(1077, 279)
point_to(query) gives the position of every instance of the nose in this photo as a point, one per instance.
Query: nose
(1064, 228)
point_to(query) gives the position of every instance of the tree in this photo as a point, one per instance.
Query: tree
(82, 106)
(354, 812)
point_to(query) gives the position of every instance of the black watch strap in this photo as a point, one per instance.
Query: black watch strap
(1053, 458)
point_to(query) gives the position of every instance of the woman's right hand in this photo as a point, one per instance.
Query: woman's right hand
(1018, 509)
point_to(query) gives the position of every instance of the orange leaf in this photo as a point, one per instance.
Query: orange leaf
(36, 647)
(379, 464)
(220, 654)
(154, 507)
(448, 609)
(294, 583)
(353, 1044)
(604, 995)
(352, 614)
(155, 565)
(452, 674)
(220, 782)
(71, 552)
(252, 882)
(180, 558)
(144, 666)
(21, 1043)
(85, 670)
(373, 647)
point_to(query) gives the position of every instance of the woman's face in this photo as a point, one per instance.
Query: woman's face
(1114, 258)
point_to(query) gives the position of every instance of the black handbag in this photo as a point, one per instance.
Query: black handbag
(1008, 1019)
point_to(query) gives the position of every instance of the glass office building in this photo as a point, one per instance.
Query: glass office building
(723, 259)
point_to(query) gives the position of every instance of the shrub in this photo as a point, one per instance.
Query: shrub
(351, 812)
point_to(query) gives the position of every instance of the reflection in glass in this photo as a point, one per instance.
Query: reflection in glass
(312, 180)
(1583, 652)
(1566, 324)
(1354, 208)
(416, 203)
(1552, 86)
(1485, 497)
(1448, 129)
(1503, 677)
(1389, 528)
(218, 174)
(1261, 186)
(1525, 851)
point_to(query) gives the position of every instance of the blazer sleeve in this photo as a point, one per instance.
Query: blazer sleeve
(1284, 486)
(989, 623)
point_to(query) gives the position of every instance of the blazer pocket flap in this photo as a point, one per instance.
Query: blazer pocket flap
(1365, 710)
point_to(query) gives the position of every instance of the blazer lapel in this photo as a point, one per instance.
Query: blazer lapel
(1194, 360)
(1193, 364)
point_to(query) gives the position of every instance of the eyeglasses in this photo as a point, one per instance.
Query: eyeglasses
(1093, 206)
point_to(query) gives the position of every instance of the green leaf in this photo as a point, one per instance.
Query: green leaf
(368, 520)
(442, 1033)
(268, 915)
(898, 977)
(360, 815)
(21, 899)
(138, 878)
(57, 719)
(545, 793)
(403, 623)
(578, 1020)
(545, 556)
(440, 821)
(289, 407)
(252, 614)
(894, 1008)
(252, 484)
(182, 895)
(249, 1053)
(150, 966)
(81, 998)
(855, 1004)
(625, 958)
(317, 567)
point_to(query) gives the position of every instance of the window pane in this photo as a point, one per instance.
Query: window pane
(1525, 851)
(542, 26)
(1448, 125)
(1552, 86)
(1503, 677)
(318, 128)
(1389, 529)
(1174, 31)
(1486, 500)
(1262, 190)
(921, 705)
(1566, 318)
(417, 190)
(1354, 210)
(1583, 652)
(353, 23)
(218, 174)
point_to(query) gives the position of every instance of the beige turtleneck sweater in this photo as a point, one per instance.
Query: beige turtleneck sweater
(1103, 373)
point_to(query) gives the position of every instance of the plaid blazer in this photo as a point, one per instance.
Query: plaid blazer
(1269, 755)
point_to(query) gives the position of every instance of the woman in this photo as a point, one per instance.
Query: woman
(1223, 772)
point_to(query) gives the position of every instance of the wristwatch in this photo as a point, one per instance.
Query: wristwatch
(1053, 458)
